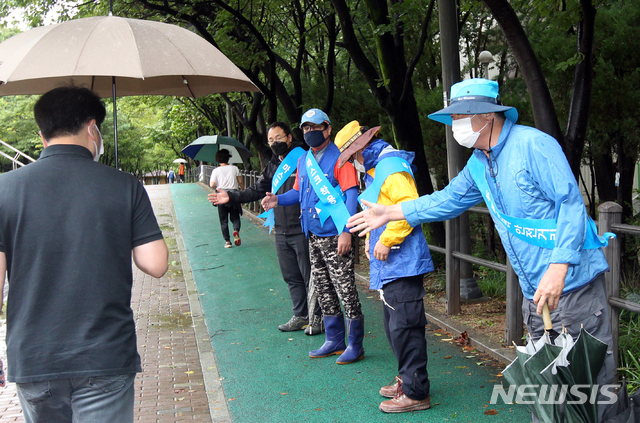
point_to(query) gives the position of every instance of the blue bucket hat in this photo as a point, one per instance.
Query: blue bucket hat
(471, 97)
(315, 116)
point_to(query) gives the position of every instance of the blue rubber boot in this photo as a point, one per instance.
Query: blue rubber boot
(354, 351)
(334, 337)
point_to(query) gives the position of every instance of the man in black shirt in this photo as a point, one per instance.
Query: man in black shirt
(292, 246)
(68, 230)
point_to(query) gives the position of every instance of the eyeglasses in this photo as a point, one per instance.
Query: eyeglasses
(307, 127)
(278, 138)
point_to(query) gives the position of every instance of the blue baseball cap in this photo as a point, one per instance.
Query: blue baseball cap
(315, 116)
(471, 97)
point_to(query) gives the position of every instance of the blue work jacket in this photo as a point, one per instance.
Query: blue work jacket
(528, 177)
(409, 258)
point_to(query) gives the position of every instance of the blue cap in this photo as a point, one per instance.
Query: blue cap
(471, 97)
(315, 116)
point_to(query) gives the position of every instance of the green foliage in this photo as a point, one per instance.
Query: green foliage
(18, 128)
(629, 348)
(492, 283)
(616, 88)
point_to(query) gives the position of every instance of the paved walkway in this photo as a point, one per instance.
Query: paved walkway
(211, 351)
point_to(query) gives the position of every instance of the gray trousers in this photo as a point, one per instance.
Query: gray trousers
(585, 307)
(293, 256)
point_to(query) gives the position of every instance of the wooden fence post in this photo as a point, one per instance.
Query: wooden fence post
(611, 213)
(452, 266)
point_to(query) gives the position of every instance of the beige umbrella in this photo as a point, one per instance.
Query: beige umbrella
(145, 57)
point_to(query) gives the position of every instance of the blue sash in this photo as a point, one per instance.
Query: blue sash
(384, 169)
(537, 232)
(286, 168)
(331, 202)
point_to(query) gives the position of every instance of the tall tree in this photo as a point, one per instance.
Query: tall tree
(544, 111)
(389, 74)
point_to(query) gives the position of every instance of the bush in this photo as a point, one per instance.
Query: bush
(629, 348)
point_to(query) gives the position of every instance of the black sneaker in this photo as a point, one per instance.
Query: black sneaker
(295, 323)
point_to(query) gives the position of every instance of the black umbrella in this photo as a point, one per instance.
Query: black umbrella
(626, 409)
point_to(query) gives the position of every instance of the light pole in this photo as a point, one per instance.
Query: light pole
(485, 57)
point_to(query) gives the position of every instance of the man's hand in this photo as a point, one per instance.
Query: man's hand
(551, 286)
(381, 251)
(366, 249)
(219, 197)
(270, 201)
(374, 217)
(344, 243)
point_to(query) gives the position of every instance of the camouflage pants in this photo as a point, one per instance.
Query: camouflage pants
(334, 277)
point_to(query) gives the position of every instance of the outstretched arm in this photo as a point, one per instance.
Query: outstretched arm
(375, 216)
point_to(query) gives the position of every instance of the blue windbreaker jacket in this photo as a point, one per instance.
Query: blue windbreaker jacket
(529, 177)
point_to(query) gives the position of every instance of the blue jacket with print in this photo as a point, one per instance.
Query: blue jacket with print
(529, 177)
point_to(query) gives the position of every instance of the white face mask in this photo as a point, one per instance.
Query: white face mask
(463, 132)
(101, 151)
(359, 167)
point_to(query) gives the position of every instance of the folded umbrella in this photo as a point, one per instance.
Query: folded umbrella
(559, 364)
(625, 409)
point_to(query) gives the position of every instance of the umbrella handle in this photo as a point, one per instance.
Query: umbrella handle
(546, 317)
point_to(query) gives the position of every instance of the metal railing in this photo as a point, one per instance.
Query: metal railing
(15, 158)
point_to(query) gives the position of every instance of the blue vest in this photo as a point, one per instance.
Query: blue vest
(410, 258)
(308, 198)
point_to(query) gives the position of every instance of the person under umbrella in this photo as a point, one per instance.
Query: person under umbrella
(524, 178)
(227, 177)
(67, 245)
(181, 173)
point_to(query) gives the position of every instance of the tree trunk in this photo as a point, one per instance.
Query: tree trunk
(605, 174)
(544, 112)
(576, 133)
(395, 94)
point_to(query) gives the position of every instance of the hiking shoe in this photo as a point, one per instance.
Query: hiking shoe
(316, 326)
(295, 323)
(389, 391)
(236, 238)
(402, 403)
(228, 244)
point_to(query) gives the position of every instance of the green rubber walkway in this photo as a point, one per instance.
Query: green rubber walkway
(267, 375)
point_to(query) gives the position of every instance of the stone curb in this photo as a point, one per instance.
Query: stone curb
(218, 407)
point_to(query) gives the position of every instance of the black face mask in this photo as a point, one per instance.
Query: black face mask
(314, 138)
(279, 148)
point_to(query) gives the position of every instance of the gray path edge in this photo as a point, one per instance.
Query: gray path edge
(218, 407)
